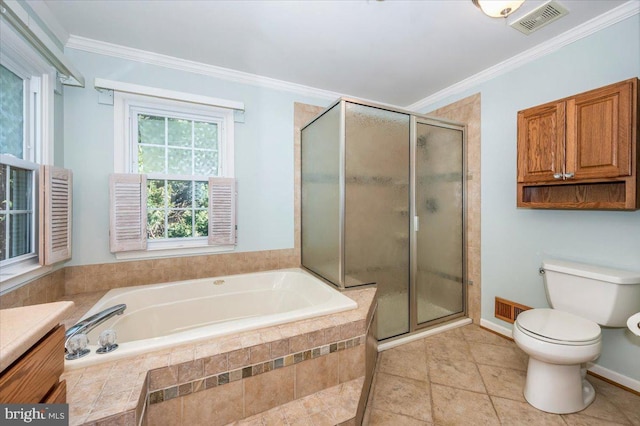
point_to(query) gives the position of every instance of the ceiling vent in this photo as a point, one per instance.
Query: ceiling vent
(540, 17)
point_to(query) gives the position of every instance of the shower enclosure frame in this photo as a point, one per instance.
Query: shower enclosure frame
(414, 120)
(413, 244)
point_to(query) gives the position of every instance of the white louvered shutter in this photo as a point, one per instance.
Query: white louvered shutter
(55, 214)
(222, 211)
(128, 212)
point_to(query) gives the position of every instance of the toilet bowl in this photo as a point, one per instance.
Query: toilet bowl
(558, 345)
(561, 340)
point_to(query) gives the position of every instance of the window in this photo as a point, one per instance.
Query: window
(178, 154)
(19, 139)
(35, 197)
(178, 147)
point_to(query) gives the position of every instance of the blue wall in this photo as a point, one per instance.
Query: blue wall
(514, 241)
(263, 152)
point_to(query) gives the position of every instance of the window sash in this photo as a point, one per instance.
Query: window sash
(32, 227)
(136, 111)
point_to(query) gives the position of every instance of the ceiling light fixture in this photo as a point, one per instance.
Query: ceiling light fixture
(497, 8)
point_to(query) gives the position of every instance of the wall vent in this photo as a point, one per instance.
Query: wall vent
(507, 310)
(539, 17)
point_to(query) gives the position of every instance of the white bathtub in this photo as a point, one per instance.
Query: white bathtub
(164, 315)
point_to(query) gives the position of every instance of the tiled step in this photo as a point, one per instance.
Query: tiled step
(333, 406)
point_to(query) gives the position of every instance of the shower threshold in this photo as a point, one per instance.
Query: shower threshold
(407, 338)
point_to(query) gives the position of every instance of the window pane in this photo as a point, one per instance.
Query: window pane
(19, 235)
(202, 223)
(180, 193)
(179, 132)
(179, 161)
(150, 159)
(11, 113)
(150, 129)
(202, 194)
(4, 203)
(179, 224)
(206, 163)
(205, 135)
(155, 224)
(155, 193)
(3, 237)
(20, 184)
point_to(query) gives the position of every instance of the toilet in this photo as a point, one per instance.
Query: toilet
(559, 341)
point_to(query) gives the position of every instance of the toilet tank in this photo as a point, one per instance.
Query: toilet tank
(604, 295)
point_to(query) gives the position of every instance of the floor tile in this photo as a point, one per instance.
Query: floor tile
(473, 333)
(411, 364)
(386, 418)
(521, 413)
(458, 374)
(503, 382)
(499, 356)
(453, 406)
(456, 349)
(402, 396)
(601, 408)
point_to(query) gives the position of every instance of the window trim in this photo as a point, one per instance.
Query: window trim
(176, 104)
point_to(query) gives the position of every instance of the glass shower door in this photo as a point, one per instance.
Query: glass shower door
(438, 268)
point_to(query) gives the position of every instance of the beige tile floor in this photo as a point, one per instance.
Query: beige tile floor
(470, 376)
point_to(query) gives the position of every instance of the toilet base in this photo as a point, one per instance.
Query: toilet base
(558, 389)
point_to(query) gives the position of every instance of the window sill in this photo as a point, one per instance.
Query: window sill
(18, 275)
(159, 252)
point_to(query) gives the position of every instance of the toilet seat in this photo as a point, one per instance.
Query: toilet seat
(558, 327)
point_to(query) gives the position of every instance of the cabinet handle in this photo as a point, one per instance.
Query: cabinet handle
(557, 175)
(568, 175)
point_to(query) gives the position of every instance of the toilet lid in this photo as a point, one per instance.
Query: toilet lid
(558, 325)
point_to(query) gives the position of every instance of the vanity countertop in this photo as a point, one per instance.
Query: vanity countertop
(21, 328)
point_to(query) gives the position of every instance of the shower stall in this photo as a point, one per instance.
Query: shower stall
(383, 202)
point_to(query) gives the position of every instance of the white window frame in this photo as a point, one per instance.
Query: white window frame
(126, 105)
(23, 60)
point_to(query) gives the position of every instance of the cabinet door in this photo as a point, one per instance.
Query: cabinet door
(599, 132)
(541, 132)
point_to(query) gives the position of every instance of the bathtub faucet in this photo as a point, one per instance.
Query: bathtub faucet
(88, 324)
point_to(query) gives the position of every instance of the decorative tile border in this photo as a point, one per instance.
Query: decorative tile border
(226, 377)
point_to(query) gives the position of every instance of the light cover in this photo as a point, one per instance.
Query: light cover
(497, 8)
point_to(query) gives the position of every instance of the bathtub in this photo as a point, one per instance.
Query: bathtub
(164, 315)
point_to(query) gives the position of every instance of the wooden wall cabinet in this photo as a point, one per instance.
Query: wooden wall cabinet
(581, 152)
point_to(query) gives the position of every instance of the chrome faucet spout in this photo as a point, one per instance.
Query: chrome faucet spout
(88, 324)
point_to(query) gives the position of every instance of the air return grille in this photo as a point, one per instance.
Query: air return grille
(507, 310)
(538, 18)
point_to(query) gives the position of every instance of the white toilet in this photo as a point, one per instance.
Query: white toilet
(560, 340)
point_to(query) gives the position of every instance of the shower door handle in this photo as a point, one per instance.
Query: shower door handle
(416, 223)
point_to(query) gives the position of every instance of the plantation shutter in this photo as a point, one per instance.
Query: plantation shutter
(222, 211)
(128, 212)
(55, 214)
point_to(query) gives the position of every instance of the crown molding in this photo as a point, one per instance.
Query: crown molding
(620, 13)
(123, 52)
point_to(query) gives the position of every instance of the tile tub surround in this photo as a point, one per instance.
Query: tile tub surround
(117, 392)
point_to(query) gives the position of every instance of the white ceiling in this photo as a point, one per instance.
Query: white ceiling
(396, 52)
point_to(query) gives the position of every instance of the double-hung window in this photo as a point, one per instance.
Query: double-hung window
(183, 154)
(35, 198)
(18, 227)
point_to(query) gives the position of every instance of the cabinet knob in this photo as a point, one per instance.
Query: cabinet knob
(558, 175)
(568, 175)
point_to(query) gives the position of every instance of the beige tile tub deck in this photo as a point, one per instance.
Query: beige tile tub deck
(116, 391)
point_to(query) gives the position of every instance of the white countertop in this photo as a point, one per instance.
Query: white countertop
(21, 328)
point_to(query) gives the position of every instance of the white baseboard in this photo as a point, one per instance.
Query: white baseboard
(615, 377)
(497, 328)
(594, 368)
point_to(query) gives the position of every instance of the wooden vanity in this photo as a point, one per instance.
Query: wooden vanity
(32, 353)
